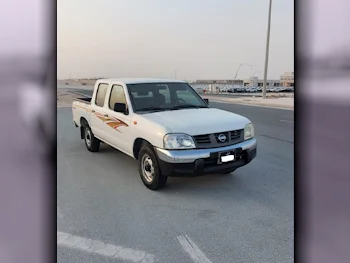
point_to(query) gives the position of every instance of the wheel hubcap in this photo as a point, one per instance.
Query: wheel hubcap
(88, 137)
(147, 168)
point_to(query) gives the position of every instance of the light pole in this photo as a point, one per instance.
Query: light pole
(240, 65)
(267, 50)
(255, 73)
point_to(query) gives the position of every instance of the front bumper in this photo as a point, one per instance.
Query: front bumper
(197, 162)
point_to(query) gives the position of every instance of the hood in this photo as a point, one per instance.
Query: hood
(198, 121)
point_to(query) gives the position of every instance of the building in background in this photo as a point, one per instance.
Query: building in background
(228, 81)
(255, 82)
(287, 79)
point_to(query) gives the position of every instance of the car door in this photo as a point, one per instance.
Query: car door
(98, 113)
(118, 123)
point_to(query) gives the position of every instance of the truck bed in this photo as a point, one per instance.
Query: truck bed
(81, 109)
(84, 100)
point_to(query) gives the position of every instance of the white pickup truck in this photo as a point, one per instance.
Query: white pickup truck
(166, 126)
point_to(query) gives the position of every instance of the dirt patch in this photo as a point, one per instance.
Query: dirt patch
(270, 105)
(65, 98)
(76, 82)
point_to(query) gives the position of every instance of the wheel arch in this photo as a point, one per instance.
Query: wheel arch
(83, 123)
(138, 143)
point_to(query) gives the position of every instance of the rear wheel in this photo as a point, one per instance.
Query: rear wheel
(92, 143)
(149, 170)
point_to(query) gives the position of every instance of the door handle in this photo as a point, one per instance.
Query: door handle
(106, 115)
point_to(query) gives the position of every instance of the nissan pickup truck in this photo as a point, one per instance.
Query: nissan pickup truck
(166, 126)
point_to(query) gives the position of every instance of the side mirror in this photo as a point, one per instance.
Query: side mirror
(120, 107)
(206, 101)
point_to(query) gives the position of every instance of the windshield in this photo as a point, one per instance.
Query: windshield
(164, 96)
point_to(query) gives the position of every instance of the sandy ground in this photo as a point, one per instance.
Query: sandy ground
(65, 99)
(70, 82)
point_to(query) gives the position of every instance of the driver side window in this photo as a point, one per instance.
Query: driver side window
(186, 97)
(117, 96)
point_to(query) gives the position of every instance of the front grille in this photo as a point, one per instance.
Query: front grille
(212, 140)
(235, 134)
(202, 139)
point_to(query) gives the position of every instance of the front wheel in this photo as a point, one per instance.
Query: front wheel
(149, 170)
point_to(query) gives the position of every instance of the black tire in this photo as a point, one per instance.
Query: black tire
(91, 142)
(158, 180)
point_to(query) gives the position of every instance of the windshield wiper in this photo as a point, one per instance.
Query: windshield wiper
(179, 107)
(152, 109)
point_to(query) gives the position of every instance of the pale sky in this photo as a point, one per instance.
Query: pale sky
(197, 39)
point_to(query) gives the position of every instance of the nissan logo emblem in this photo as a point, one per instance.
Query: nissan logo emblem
(222, 137)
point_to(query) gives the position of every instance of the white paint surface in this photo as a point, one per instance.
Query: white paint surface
(193, 250)
(103, 249)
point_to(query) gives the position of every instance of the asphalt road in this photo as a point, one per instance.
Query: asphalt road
(243, 217)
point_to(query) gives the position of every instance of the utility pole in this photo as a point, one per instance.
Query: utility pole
(267, 50)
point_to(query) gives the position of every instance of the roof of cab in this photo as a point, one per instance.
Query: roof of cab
(139, 80)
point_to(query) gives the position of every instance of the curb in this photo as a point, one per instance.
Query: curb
(81, 94)
(272, 106)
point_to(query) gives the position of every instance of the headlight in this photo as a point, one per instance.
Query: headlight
(178, 141)
(248, 131)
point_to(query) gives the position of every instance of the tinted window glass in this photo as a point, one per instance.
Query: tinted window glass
(146, 94)
(101, 94)
(166, 93)
(186, 97)
(163, 96)
(117, 96)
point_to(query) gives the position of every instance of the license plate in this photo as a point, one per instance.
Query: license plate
(225, 157)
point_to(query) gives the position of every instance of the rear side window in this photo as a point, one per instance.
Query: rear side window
(101, 94)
